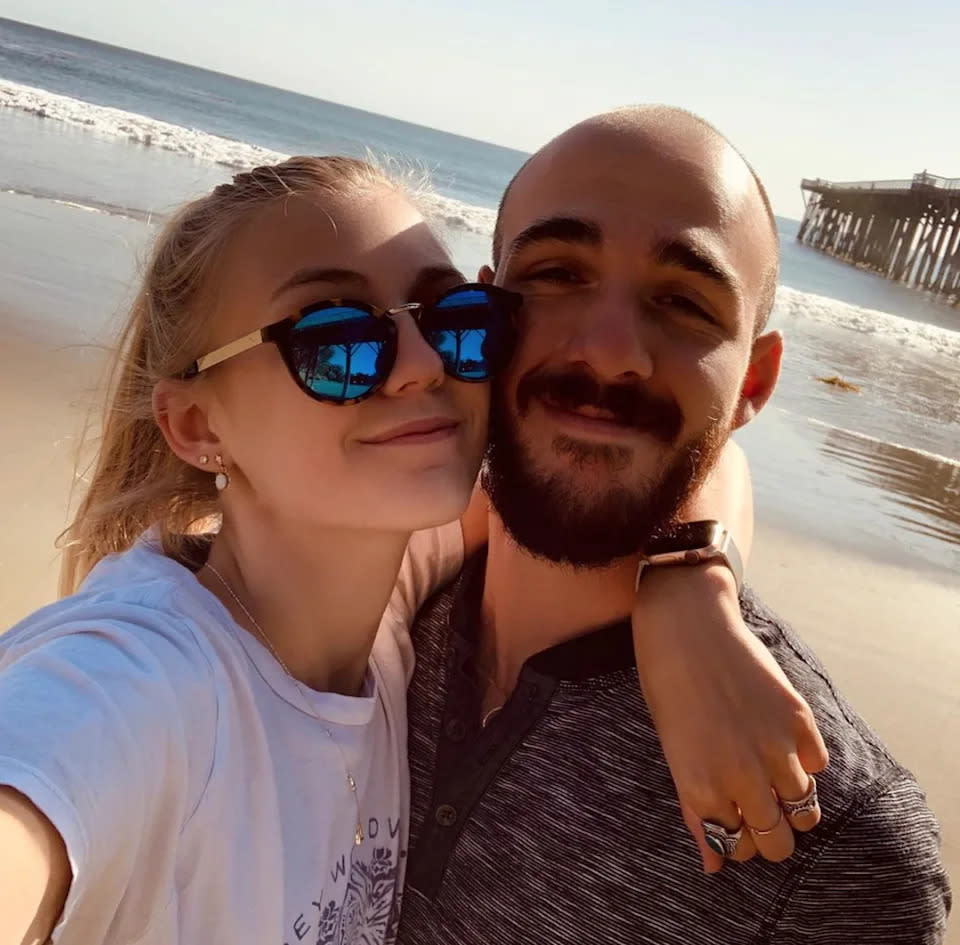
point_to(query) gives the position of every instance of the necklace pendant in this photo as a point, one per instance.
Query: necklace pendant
(490, 716)
(352, 783)
(358, 836)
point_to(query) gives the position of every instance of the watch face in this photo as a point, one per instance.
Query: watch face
(686, 536)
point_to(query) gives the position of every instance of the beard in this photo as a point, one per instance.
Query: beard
(556, 518)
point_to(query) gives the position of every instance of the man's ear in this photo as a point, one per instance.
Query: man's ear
(182, 419)
(761, 379)
(486, 275)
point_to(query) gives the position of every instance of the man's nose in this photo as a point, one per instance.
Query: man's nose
(611, 336)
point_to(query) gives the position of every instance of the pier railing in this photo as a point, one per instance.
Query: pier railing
(917, 182)
(907, 230)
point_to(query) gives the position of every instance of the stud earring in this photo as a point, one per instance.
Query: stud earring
(204, 459)
(222, 479)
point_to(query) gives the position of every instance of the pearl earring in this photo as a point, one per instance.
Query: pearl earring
(222, 479)
(204, 459)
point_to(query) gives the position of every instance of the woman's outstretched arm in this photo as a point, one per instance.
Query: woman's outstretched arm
(34, 871)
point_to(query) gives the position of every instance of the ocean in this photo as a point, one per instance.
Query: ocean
(97, 144)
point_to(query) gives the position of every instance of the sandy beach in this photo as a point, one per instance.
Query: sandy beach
(883, 614)
(45, 393)
(887, 635)
(855, 460)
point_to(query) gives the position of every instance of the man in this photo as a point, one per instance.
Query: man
(543, 809)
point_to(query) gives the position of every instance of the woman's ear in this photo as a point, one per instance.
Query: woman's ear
(486, 275)
(182, 419)
(761, 378)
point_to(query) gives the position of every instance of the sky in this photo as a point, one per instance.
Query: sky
(845, 90)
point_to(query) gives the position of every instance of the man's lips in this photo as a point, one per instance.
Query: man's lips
(587, 419)
(428, 430)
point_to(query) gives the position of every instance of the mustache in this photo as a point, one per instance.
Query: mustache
(630, 404)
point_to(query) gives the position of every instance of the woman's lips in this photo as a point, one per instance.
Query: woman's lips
(428, 430)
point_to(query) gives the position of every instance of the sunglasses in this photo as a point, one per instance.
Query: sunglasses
(342, 351)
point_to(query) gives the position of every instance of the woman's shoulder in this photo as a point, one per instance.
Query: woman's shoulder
(100, 685)
(138, 606)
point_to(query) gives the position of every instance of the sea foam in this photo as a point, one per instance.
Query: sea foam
(887, 327)
(200, 145)
(150, 132)
(452, 213)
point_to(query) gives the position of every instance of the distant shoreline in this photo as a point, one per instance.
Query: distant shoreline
(255, 84)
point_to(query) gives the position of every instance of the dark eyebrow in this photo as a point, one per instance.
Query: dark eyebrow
(697, 260)
(305, 276)
(563, 229)
(423, 288)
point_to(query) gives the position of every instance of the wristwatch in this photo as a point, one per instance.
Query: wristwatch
(693, 543)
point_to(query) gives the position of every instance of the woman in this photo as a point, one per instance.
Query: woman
(205, 741)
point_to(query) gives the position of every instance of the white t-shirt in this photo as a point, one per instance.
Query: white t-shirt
(198, 800)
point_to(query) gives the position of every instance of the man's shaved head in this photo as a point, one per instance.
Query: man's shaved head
(657, 125)
(646, 253)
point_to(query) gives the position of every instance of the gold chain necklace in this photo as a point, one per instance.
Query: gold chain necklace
(495, 710)
(351, 780)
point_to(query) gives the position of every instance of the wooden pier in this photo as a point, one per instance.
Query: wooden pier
(905, 230)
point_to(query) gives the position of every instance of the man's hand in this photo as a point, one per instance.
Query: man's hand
(735, 732)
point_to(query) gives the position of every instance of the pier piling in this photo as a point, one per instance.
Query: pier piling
(906, 230)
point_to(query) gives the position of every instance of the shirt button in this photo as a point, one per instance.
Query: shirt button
(446, 815)
(456, 730)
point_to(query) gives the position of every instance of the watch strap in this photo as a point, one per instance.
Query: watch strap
(721, 548)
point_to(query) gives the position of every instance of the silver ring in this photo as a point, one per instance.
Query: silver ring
(809, 801)
(720, 840)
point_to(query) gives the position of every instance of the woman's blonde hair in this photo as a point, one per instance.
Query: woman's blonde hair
(137, 481)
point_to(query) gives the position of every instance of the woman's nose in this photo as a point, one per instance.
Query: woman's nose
(418, 366)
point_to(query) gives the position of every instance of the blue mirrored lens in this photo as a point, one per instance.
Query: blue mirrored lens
(470, 332)
(338, 351)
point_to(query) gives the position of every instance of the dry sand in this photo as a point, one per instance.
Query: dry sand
(887, 633)
(889, 637)
(45, 393)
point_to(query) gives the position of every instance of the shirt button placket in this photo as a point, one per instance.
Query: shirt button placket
(445, 815)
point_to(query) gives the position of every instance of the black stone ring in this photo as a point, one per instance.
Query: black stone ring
(720, 840)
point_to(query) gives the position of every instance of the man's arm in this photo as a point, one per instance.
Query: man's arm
(879, 881)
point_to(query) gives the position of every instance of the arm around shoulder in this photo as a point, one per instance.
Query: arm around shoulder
(433, 557)
(879, 881)
(34, 871)
(475, 521)
(727, 495)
